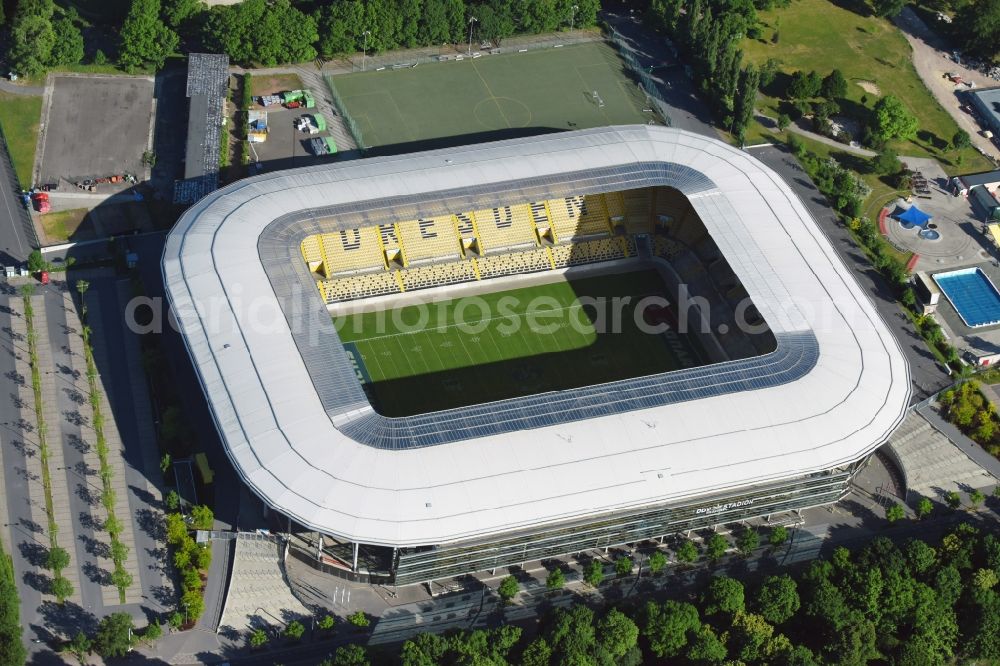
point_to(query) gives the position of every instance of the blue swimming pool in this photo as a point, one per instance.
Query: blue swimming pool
(972, 294)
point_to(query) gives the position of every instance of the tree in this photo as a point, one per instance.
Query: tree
(556, 579)
(294, 630)
(783, 122)
(748, 541)
(687, 552)
(961, 140)
(258, 638)
(953, 499)
(508, 589)
(57, 559)
(80, 646)
(985, 579)
(657, 561)
(176, 12)
(258, 31)
(351, 654)
(36, 262)
(893, 120)
(67, 49)
(778, 536)
(359, 619)
(723, 595)
(976, 497)
(888, 8)
(12, 650)
(924, 508)
(778, 599)
(804, 86)
(746, 98)
(202, 517)
(667, 626)
(593, 574)
(616, 633)
(706, 648)
(326, 622)
(172, 501)
(32, 38)
(715, 547)
(145, 40)
(153, 631)
(919, 556)
(61, 588)
(834, 85)
(114, 635)
(887, 163)
(202, 558)
(623, 566)
(894, 512)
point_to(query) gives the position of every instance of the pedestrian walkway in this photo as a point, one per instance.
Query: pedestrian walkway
(61, 510)
(259, 594)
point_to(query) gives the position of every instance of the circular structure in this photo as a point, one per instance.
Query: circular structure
(929, 234)
(666, 451)
(496, 113)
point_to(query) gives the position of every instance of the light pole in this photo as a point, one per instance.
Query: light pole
(572, 16)
(472, 19)
(364, 51)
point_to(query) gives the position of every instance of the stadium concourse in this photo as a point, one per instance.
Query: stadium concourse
(777, 415)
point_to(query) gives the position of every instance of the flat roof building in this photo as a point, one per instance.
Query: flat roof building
(207, 83)
(499, 483)
(986, 102)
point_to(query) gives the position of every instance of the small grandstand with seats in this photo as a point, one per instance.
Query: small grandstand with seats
(758, 381)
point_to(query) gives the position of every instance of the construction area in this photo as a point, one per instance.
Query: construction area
(286, 129)
(95, 130)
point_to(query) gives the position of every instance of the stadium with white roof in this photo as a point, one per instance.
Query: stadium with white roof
(766, 424)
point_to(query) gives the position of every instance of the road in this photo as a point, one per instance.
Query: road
(17, 234)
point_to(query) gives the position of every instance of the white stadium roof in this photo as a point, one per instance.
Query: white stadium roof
(298, 429)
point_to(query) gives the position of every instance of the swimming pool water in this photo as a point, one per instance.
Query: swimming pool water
(972, 294)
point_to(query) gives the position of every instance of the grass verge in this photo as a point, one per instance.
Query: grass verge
(119, 551)
(19, 120)
(63, 225)
(820, 35)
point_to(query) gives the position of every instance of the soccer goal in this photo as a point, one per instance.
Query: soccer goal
(598, 100)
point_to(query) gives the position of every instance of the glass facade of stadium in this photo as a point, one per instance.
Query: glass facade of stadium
(406, 566)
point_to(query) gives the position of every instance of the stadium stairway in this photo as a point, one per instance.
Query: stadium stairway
(313, 80)
(933, 465)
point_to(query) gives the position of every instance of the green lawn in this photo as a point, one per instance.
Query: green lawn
(19, 118)
(491, 97)
(819, 35)
(507, 344)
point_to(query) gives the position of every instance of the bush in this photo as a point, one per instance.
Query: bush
(295, 630)
(202, 517)
(924, 508)
(57, 559)
(716, 547)
(778, 536)
(953, 499)
(360, 620)
(594, 573)
(61, 588)
(894, 512)
(258, 638)
(748, 541)
(657, 561)
(623, 566)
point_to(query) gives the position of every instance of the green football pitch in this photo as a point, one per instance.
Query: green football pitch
(422, 358)
(489, 98)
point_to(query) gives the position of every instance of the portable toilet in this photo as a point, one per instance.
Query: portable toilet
(319, 121)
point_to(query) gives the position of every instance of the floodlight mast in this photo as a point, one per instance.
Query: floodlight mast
(572, 15)
(472, 19)
(364, 51)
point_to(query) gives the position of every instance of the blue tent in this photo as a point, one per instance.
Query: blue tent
(914, 216)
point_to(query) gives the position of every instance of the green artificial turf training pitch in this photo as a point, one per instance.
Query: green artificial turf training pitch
(491, 98)
(507, 344)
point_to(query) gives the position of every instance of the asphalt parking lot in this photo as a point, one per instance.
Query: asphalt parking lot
(286, 147)
(95, 126)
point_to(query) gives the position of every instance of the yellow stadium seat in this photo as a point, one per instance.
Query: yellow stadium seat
(588, 252)
(505, 227)
(351, 250)
(429, 238)
(531, 261)
(435, 275)
(364, 285)
(578, 216)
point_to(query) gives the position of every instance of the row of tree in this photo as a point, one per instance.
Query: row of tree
(269, 32)
(709, 33)
(915, 604)
(12, 651)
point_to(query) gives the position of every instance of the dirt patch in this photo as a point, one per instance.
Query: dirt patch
(269, 84)
(66, 225)
(870, 87)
